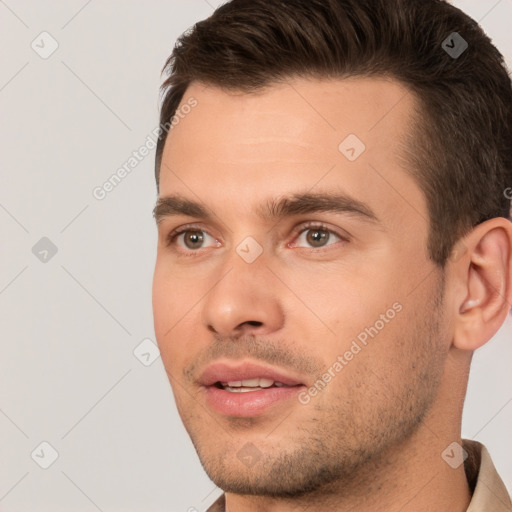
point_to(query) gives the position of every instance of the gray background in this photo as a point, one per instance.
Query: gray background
(70, 324)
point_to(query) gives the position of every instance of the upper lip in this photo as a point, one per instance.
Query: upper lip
(230, 372)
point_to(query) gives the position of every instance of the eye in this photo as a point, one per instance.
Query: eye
(316, 236)
(191, 239)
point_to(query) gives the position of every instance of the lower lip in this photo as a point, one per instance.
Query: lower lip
(251, 403)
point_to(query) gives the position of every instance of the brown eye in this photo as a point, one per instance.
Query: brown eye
(190, 240)
(193, 239)
(317, 237)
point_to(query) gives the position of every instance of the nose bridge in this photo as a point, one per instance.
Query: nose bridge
(242, 295)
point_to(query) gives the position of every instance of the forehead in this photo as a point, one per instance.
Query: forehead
(303, 134)
(309, 107)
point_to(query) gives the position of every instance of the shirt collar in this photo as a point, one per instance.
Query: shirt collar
(489, 491)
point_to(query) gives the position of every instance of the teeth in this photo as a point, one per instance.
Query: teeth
(243, 386)
(241, 390)
(250, 383)
(264, 383)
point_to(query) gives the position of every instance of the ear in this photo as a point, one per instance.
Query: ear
(483, 285)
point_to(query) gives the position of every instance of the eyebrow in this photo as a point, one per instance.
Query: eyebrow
(273, 209)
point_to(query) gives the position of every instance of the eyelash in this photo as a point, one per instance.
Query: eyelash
(173, 235)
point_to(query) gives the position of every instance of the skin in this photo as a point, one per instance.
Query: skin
(373, 437)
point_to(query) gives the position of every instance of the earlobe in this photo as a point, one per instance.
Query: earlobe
(485, 274)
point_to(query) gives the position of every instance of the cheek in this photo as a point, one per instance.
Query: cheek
(168, 308)
(162, 300)
(339, 301)
(173, 297)
(381, 361)
(176, 306)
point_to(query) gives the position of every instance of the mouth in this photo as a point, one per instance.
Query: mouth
(248, 389)
(249, 385)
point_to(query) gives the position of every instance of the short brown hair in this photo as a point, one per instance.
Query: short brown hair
(460, 151)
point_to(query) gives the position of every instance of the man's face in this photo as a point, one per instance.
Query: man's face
(311, 270)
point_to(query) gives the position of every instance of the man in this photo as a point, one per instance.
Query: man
(334, 243)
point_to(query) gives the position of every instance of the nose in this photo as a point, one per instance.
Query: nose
(243, 299)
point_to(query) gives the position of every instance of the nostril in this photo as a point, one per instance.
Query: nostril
(254, 323)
